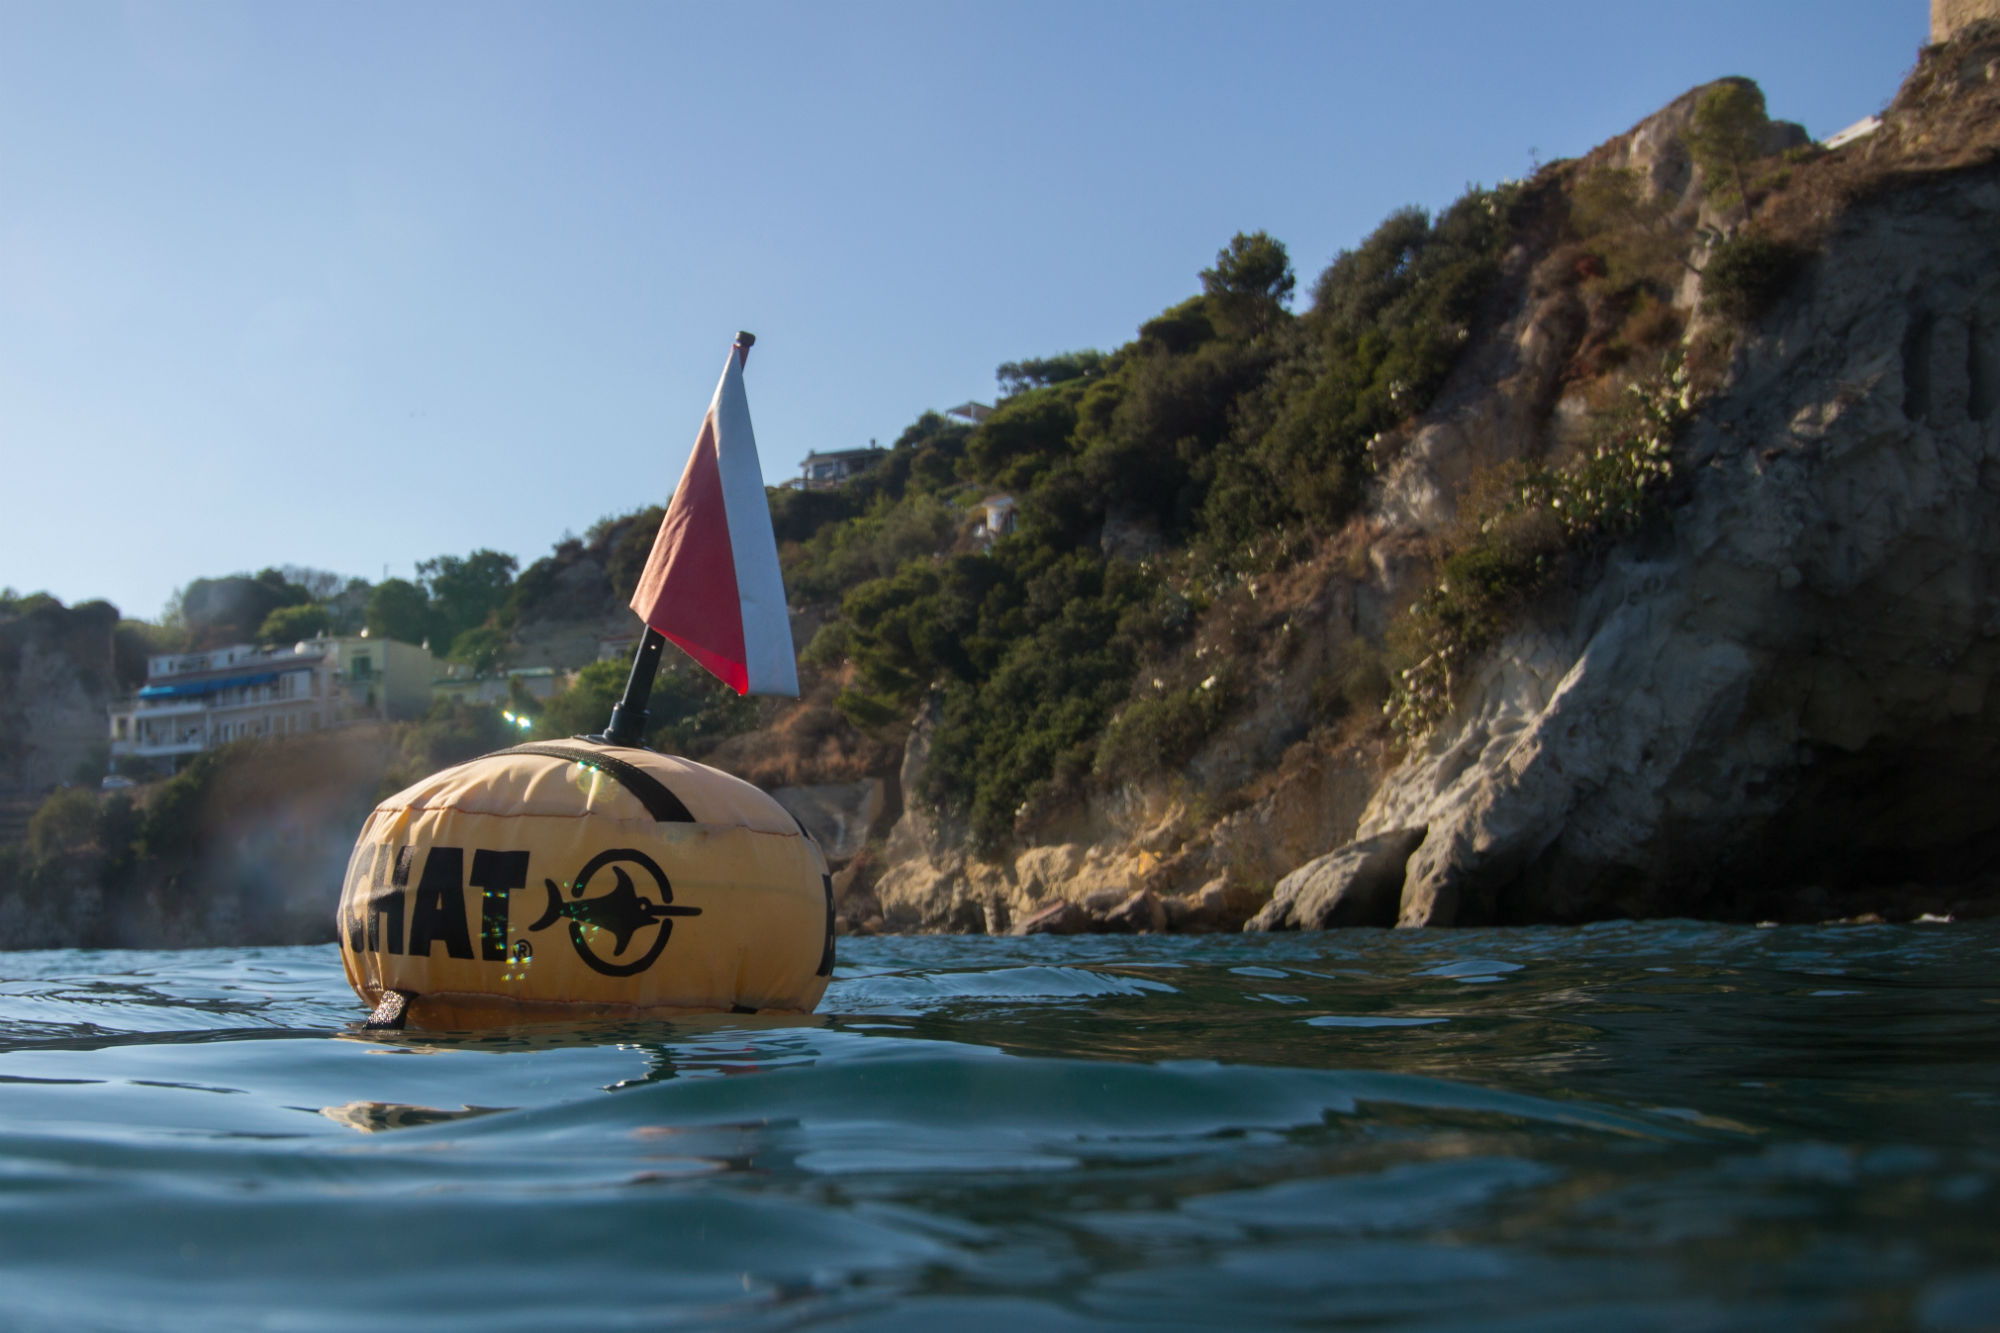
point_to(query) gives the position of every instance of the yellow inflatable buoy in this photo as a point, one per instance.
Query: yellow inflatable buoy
(579, 876)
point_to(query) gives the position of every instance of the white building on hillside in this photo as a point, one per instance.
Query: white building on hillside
(196, 701)
(826, 472)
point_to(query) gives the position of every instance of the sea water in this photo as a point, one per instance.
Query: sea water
(1665, 1125)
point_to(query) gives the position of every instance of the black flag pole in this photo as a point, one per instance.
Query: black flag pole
(628, 716)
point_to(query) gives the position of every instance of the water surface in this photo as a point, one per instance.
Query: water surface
(1664, 1126)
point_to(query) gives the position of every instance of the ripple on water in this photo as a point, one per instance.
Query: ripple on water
(1628, 1125)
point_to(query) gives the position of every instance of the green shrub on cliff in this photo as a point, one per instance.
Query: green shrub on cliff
(1726, 137)
(1547, 515)
(398, 609)
(66, 822)
(1748, 272)
(1387, 323)
(871, 545)
(1160, 731)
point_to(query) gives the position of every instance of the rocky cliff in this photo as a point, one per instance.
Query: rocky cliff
(1774, 695)
(57, 672)
(1788, 690)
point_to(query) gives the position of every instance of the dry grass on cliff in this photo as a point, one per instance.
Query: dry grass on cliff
(809, 742)
(1945, 119)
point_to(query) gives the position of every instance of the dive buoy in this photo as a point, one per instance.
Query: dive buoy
(585, 877)
(595, 875)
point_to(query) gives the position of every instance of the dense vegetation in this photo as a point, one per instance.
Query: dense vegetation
(1147, 478)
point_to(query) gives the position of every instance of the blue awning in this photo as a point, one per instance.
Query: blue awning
(189, 689)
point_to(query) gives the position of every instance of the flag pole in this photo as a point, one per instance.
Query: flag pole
(628, 716)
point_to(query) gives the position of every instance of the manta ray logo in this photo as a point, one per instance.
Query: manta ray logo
(621, 913)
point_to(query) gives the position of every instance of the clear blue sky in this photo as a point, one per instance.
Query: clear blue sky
(352, 285)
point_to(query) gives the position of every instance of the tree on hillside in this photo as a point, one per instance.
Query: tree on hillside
(1252, 264)
(627, 553)
(348, 608)
(465, 591)
(585, 705)
(797, 514)
(483, 648)
(320, 584)
(231, 610)
(398, 609)
(289, 624)
(1023, 438)
(1250, 282)
(66, 822)
(1037, 372)
(1726, 137)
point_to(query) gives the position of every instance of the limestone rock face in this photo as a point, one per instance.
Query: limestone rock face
(1139, 912)
(1795, 684)
(1216, 906)
(1058, 918)
(1359, 885)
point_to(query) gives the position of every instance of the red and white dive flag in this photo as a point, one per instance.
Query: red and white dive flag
(712, 583)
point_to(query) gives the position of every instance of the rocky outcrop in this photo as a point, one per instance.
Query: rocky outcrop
(1792, 684)
(1062, 917)
(1141, 860)
(56, 675)
(1359, 885)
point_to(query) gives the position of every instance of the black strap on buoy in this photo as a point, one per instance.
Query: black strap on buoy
(627, 726)
(660, 802)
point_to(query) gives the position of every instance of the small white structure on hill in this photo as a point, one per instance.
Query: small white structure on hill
(998, 516)
(1860, 129)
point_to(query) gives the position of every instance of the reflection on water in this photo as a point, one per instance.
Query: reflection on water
(1645, 1126)
(374, 1117)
